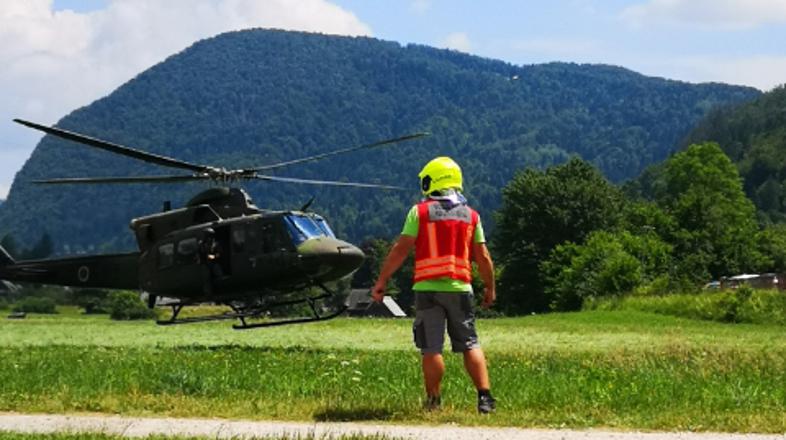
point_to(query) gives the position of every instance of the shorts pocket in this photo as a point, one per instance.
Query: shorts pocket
(419, 333)
(467, 302)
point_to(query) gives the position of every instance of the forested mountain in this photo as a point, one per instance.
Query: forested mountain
(261, 96)
(753, 135)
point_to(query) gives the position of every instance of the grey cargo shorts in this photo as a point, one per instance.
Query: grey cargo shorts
(435, 310)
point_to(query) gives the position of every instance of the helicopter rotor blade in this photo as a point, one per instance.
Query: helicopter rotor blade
(325, 182)
(133, 179)
(116, 148)
(337, 152)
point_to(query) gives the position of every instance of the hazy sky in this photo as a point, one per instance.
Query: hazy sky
(58, 55)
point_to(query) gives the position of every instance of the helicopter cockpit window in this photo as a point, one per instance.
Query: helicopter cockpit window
(166, 255)
(301, 228)
(322, 223)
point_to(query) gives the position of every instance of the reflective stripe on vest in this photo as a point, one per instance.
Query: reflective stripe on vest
(442, 247)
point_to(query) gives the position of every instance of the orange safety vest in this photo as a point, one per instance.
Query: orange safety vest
(443, 244)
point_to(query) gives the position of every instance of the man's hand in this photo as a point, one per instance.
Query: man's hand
(378, 291)
(398, 253)
(489, 296)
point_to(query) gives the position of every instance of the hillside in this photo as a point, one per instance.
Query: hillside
(753, 135)
(260, 96)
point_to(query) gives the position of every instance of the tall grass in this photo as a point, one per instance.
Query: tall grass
(626, 370)
(741, 305)
(671, 389)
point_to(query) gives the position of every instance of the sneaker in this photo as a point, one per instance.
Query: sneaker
(486, 404)
(432, 403)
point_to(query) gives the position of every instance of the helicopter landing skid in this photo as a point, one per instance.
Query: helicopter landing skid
(243, 313)
(312, 304)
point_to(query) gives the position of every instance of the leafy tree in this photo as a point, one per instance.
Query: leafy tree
(716, 226)
(606, 264)
(9, 244)
(772, 244)
(540, 210)
(753, 135)
(42, 249)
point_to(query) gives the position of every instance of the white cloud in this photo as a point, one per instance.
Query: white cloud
(456, 41)
(3, 192)
(54, 62)
(420, 7)
(712, 14)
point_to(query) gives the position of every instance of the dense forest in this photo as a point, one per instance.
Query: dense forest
(261, 96)
(753, 135)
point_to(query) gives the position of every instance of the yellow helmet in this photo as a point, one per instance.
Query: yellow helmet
(441, 173)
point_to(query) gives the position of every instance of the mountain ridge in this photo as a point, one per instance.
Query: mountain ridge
(253, 97)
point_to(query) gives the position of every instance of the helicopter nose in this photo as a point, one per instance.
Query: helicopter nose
(329, 259)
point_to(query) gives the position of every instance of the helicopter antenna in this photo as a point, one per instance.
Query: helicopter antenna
(202, 172)
(305, 207)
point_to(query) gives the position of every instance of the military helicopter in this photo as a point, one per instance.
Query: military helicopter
(218, 248)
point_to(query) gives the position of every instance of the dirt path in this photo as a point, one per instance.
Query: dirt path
(212, 428)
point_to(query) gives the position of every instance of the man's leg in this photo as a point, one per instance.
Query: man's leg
(475, 364)
(433, 370)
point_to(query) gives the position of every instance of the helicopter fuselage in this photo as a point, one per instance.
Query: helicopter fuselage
(219, 248)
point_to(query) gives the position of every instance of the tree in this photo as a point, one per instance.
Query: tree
(608, 263)
(9, 244)
(772, 244)
(42, 249)
(716, 225)
(540, 210)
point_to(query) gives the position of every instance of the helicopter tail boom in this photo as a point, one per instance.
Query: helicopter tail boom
(98, 271)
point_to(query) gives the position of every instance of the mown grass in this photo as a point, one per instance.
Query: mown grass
(622, 370)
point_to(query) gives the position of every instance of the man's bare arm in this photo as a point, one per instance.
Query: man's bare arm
(398, 253)
(486, 269)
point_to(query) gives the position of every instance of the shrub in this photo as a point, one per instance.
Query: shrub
(607, 264)
(94, 301)
(125, 306)
(740, 305)
(36, 305)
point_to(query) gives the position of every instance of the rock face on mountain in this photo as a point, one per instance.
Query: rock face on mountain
(259, 96)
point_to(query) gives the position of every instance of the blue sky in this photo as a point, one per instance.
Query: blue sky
(59, 55)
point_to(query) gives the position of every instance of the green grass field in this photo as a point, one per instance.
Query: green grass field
(623, 370)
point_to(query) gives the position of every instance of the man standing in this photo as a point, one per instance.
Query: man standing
(446, 234)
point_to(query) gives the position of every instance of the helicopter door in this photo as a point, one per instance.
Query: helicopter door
(224, 250)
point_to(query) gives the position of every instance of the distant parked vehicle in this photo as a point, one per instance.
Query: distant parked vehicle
(712, 285)
(757, 281)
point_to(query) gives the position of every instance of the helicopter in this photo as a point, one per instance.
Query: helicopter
(219, 248)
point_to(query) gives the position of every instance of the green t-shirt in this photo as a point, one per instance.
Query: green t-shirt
(411, 227)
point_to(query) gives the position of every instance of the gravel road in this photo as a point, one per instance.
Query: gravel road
(212, 428)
